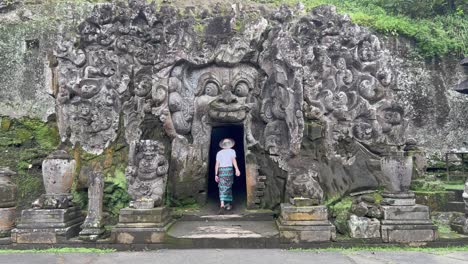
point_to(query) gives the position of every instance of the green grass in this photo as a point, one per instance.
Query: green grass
(435, 36)
(454, 186)
(58, 250)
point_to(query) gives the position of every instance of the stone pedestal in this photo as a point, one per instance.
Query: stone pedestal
(305, 223)
(404, 221)
(93, 227)
(48, 225)
(7, 202)
(138, 226)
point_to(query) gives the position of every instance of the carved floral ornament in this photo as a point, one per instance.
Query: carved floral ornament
(274, 75)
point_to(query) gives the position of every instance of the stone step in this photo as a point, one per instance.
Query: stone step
(218, 234)
(457, 194)
(242, 216)
(455, 207)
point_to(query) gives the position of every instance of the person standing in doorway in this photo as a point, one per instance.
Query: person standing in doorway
(225, 168)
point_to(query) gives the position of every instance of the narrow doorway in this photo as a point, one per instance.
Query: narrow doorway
(218, 133)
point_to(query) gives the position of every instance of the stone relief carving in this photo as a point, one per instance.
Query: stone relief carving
(147, 173)
(139, 60)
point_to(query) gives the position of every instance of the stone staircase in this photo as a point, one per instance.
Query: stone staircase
(457, 204)
(245, 229)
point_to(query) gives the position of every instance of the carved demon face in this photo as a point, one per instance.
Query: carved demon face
(213, 94)
(227, 90)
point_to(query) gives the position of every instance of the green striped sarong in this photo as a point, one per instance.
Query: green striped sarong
(226, 179)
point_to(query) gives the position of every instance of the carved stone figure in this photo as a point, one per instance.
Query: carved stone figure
(147, 174)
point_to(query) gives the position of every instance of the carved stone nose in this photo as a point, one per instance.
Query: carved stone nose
(228, 98)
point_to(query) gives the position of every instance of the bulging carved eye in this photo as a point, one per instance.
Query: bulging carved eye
(241, 89)
(211, 89)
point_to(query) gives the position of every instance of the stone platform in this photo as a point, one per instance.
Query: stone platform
(405, 222)
(47, 225)
(142, 225)
(305, 224)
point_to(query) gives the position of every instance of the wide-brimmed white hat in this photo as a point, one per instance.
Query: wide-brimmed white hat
(226, 143)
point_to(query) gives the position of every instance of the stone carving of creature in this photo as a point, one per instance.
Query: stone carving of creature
(370, 49)
(370, 89)
(343, 76)
(390, 115)
(302, 182)
(220, 95)
(65, 50)
(385, 76)
(143, 82)
(147, 172)
(276, 139)
(102, 14)
(181, 114)
(88, 32)
(336, 104)
(88, 87)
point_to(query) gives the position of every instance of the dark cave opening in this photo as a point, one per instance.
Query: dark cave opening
(218, 133)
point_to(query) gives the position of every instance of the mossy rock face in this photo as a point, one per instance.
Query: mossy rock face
(340, 211)
(24, 143)
(436, 200)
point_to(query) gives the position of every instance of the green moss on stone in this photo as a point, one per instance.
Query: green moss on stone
(340, 211)
(24, 143)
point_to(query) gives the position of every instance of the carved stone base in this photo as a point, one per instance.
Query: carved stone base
(91, 232)
(409, 233)
(410, 223)
(305, 224)
(7, 220)
(47, 225)
(142, 225)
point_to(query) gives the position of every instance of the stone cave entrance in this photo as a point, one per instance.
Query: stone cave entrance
(235, 132)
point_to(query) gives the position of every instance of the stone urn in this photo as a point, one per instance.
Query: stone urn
(397, 170)
(7, 202)
(57, 172)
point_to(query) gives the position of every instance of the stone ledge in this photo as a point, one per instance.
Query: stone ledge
(44, 235)
(409, 233)
(413, 212)
(304, 213)
(131, 235)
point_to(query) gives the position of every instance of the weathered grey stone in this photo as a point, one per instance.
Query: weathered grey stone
(304, 213)
(398, 201)
(460, 225)
(409, 233)
(272, 82)
(363, 227)
(360, 209)
(57, 174)
(7, 201)
(49, 218)
(139, 235)
(415, 212)
(147, 174)
(47, 225)
(7, 220)
(155, 217)
(93, 227)
(397, 168)
(142, 225)
(310, 233)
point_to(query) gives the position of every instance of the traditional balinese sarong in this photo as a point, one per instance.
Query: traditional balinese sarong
(226, 179)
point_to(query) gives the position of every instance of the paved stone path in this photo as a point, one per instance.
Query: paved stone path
(234, 256)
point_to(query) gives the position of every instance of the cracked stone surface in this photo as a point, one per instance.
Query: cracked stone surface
(234, 256)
